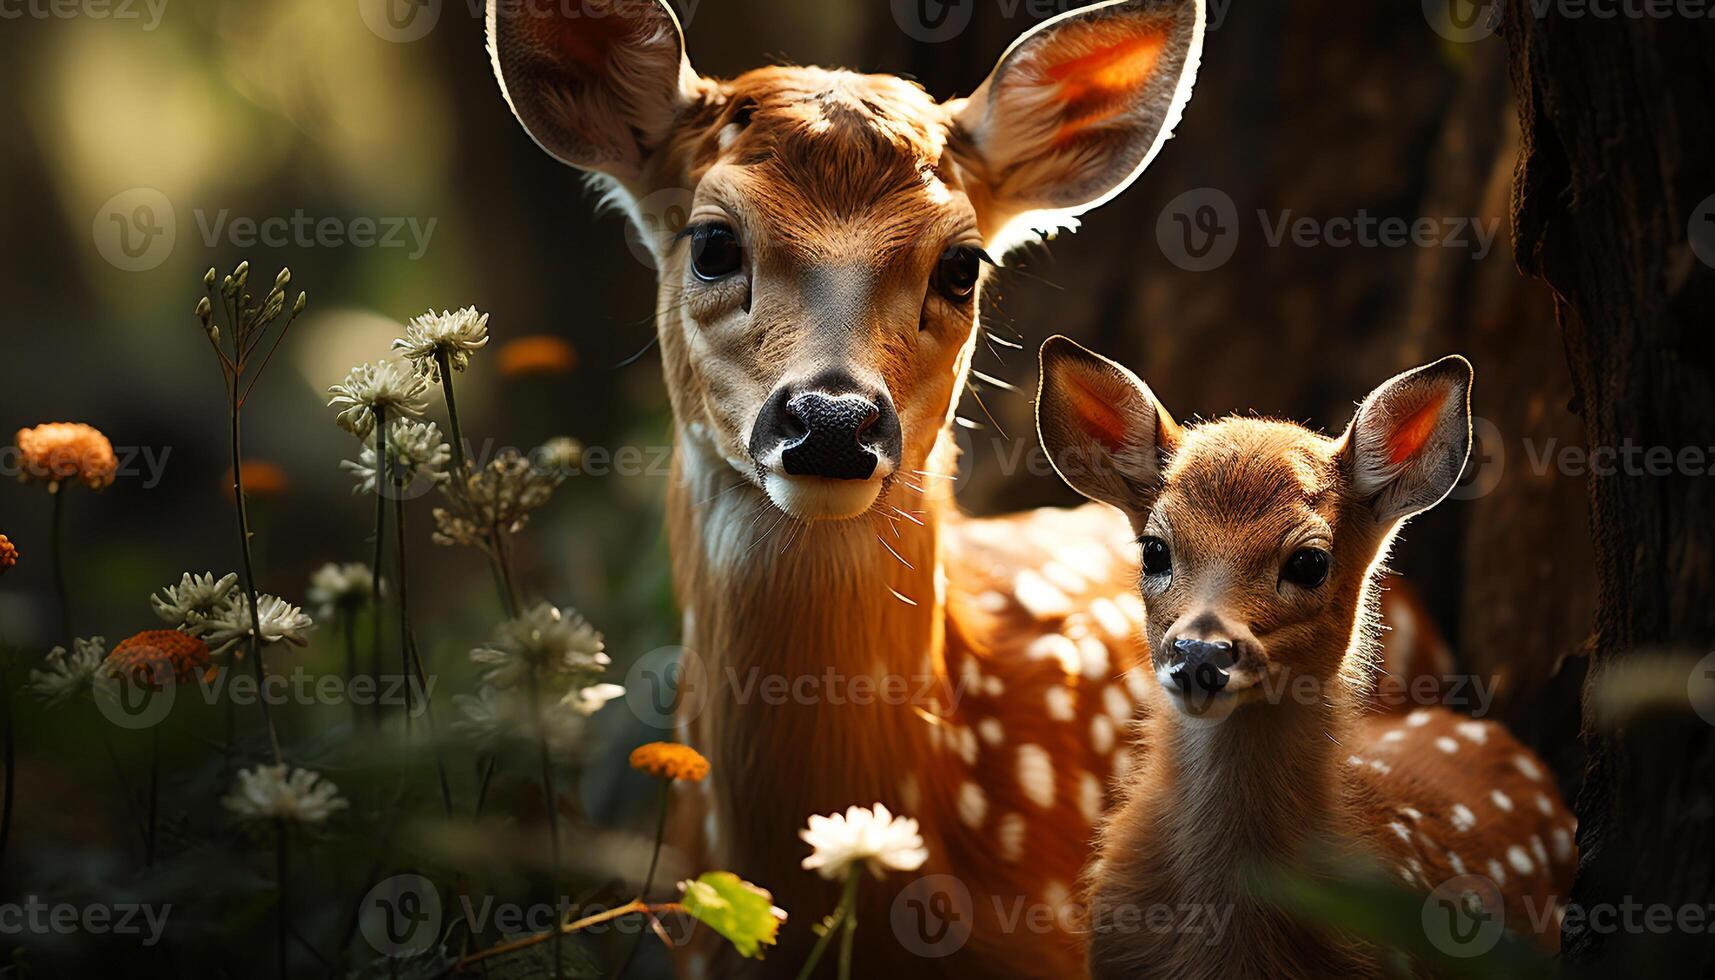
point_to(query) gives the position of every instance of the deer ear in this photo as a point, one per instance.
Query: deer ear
(1077, 108)
(597, 85)
(1408, 443)
(1102, 428)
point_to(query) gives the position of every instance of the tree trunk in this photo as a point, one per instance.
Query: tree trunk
(1618, 157)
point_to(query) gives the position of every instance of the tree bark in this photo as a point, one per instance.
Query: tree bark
(1618, 156)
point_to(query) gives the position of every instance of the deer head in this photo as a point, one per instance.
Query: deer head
(1260, 538)
(818, 310)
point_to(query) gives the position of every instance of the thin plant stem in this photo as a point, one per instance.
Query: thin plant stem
(483, 782)
(154, 793)
(629, 908)
(648, 879)
(57, 491)
(375, 624)
(410, 656)
(850, 932)
(249, 570)
(553, 810)
(444, 366)
(847, 906)
(282, 915)
(348, 621)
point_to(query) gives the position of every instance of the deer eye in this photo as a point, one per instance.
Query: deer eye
(715, 252)
(1157, 558)
(1307, 568)
(957, 272)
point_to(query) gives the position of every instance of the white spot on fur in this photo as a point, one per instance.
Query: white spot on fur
(1498, 873)
(1463, 818)
(1122, 762)
(1353, 760)
(993, 602)
(1393, 735)
(967, 746)
(1476, 731)
(993, 687)
(1411, 813)
(1447, 745)
(1118, 703)
(1400, 831)
(1009, 834)
(1093, 658)
(1454, 862)
(1036, 775)
(1538, 851)
(1528, 766)
(1418, 718)
(1136, 683)
(991, 730)
(1544, 805)
(973, 804)
(1064, 578)
(1562, 844)
(1519, 860)
(1110, 619)
(1501, 800)
(1090, 797)
(1061, 704)
(1057, 647)
(1380, 767)
(1132, 606)
(1102, 734)
(1056, 895)
(1038, 597)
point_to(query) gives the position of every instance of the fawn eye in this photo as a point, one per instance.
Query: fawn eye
(1157, 559)
(957, 272)
(1307, 568)
(715, 252)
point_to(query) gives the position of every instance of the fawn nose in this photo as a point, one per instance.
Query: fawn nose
(832, 427)
(1201, 666)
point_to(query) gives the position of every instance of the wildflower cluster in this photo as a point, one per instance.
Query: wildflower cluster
(217, 611)
(59, 451)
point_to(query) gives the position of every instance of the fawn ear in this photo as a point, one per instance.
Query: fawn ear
(1407, 445)
(597, 86)
(1102, 428)
(1076, 109)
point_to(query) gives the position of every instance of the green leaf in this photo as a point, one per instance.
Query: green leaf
(735, 908)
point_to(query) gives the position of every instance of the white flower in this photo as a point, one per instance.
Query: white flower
(559, 457)
(268, 793)
(589, 700)
(335, 586)
(457, 334)
(68, 675)
(558, 642)
(415, 450)
(493, 717)
(385, 385)
(876, 838)
(197, 597)
(281, 622)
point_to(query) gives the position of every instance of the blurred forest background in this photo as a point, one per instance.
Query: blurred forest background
(264, 110)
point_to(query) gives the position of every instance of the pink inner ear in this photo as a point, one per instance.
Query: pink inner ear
(1095, 413)
(1099, 84)
(583, 45)
(1413, 431)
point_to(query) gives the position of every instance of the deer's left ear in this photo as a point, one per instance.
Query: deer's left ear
(1408, 443)
(1103, 430)
(1076, 109)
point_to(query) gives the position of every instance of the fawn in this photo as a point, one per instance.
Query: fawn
(1259, 543)
(817, 318)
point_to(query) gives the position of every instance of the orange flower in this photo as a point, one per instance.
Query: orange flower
(670, 760)
(66, 450)
(261, 479)
(8, 554)
(540, 354)
(148, 658)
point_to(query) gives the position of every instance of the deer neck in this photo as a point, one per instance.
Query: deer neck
(813, 647)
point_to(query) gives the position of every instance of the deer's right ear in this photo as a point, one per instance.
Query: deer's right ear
(598, 86)
(1075, 111)
(1407, 446)
(1101, 426)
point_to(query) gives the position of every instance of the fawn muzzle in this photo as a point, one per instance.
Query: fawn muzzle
(1200, 667)
(832, 428)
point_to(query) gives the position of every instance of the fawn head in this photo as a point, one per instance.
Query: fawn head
(1260, 539)
(818, 307)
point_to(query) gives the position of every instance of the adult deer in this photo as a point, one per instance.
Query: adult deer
(1260, 541)
(817, 318)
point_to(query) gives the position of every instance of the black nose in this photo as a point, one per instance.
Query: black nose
(1200, 666)
(831, 427)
